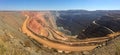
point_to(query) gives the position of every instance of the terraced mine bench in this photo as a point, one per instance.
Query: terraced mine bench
(38, 28)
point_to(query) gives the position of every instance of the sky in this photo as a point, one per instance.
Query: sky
(59, 4)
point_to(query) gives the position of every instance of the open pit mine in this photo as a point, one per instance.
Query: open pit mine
(54, 30)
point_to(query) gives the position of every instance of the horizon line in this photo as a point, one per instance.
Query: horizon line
(61, 10)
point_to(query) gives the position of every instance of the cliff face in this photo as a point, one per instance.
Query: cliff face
(111, 22)
(94, 31)
(81, 22)
(75, 21)
(101, 27)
